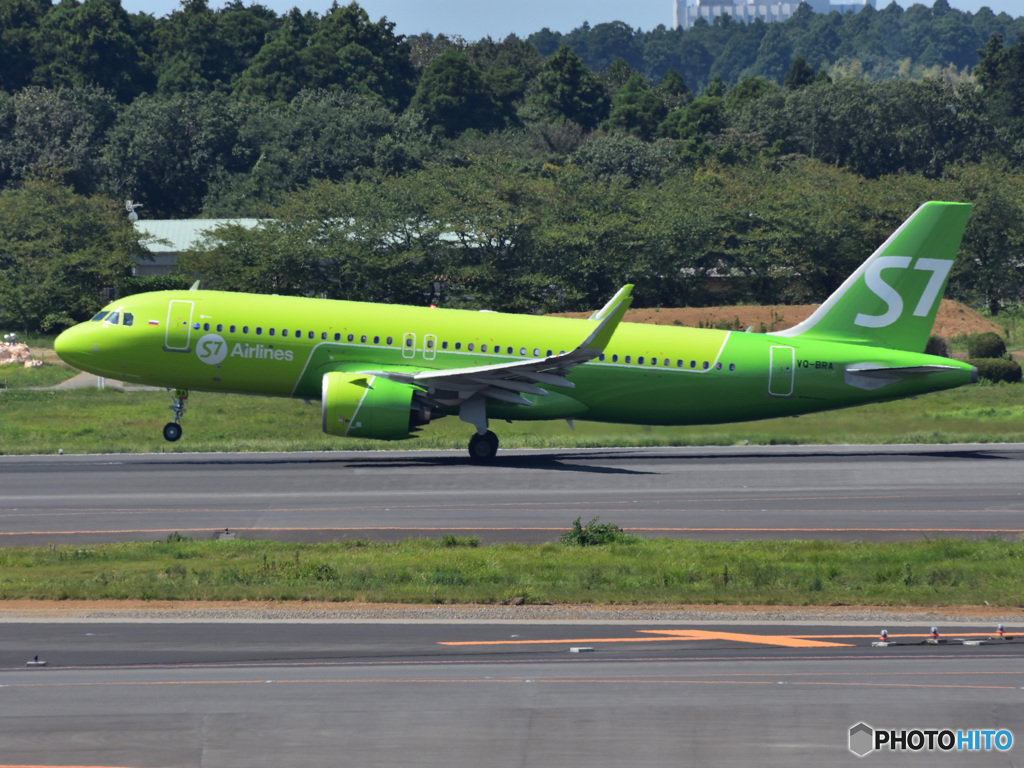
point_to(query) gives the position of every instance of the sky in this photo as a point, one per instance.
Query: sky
(474, 19)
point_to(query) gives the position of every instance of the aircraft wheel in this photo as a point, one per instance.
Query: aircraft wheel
(172, 432)
(482, 448)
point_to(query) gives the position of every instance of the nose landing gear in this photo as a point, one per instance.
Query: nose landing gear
(172, 430)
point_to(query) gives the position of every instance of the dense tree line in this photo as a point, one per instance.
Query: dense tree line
(728, 162)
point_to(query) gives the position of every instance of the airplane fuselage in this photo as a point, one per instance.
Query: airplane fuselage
(282, 346)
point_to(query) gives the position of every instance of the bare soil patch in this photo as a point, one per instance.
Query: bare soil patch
(953, 318)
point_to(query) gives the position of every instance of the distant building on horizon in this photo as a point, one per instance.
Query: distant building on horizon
(684, 15)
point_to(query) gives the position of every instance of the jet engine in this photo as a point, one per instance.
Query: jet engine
(367, 405)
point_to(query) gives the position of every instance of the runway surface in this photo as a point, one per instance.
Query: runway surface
(506, 694)
(838, 492)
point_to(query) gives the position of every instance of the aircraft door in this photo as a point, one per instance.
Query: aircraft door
(781, 370)
(429, 346)
(179, 326)
(409, 346)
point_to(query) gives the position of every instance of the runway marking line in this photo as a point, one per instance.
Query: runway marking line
(501, 681)
(784, 641)
(243, 529)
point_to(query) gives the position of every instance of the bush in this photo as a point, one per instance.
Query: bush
(997, 370)
(988, 345)
(938, 346)
(594, 534)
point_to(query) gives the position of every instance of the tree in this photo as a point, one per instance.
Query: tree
(568, 90)
(347, 51)
(92, 44)
(19, 41)
(454, 97)
(799, 75)
(55, 134)
(63, 255)
(636, 109)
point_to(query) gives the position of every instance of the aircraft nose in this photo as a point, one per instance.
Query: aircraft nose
(73, 346)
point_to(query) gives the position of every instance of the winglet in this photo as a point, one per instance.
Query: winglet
(608, 319)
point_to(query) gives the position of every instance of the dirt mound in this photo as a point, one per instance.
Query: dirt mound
(953, 319)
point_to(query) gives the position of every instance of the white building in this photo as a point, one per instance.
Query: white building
(684, 15)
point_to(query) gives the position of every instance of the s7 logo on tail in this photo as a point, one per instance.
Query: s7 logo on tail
(939, 269)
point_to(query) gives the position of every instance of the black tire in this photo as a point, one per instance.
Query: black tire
(483, 448)
(172, 432)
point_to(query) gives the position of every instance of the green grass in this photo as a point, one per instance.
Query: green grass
(13, 376)
(109, 421)
(937, 572)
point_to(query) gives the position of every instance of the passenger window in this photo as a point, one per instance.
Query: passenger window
(311, 335)
(220, 328)
(430, 343)
(718, 366)
(114, 318)
(536, 352)
(458, 345)
(206, 326)
(408, 341)
(679, 363)
(640, 360)
(483, 347)
(298, 334)
(549, 353)
(444, 344)
(376, 339)
(245, 329)
(362, 339)
(284, 332)
(693, 363)
(129, 318)
(732, 367)
(615, 358)
(323, 336)
(629, 358)
(706, 365)
(470, 346)
(522, 351)
(270, 331)
(351, 337)
(259, 331)
(654, 361)
(390, 341)
(337, 337)
(99, 316)
(601, 357)
(667, 362)
(232, 329)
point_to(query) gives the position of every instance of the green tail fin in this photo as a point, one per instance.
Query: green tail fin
(892, 299)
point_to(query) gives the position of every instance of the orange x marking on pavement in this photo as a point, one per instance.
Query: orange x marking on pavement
(673, 634)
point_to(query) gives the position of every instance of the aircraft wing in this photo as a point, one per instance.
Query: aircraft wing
(508, 382)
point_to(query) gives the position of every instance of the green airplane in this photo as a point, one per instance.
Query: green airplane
(384, 371)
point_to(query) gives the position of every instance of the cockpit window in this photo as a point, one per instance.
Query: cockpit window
(113, 318)
(99, 316)
(129, 318)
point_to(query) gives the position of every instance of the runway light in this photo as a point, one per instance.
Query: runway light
(935, 633)
(1000, 630)
(883, 636)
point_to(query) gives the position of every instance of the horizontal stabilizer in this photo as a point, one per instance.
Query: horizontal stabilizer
(868, 376)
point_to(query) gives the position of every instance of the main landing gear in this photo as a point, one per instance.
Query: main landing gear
(172, 430)
(482, 448)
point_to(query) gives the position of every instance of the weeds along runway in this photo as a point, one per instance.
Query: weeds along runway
(720, 493)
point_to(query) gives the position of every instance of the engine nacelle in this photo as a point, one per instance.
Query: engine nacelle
(364, 405)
